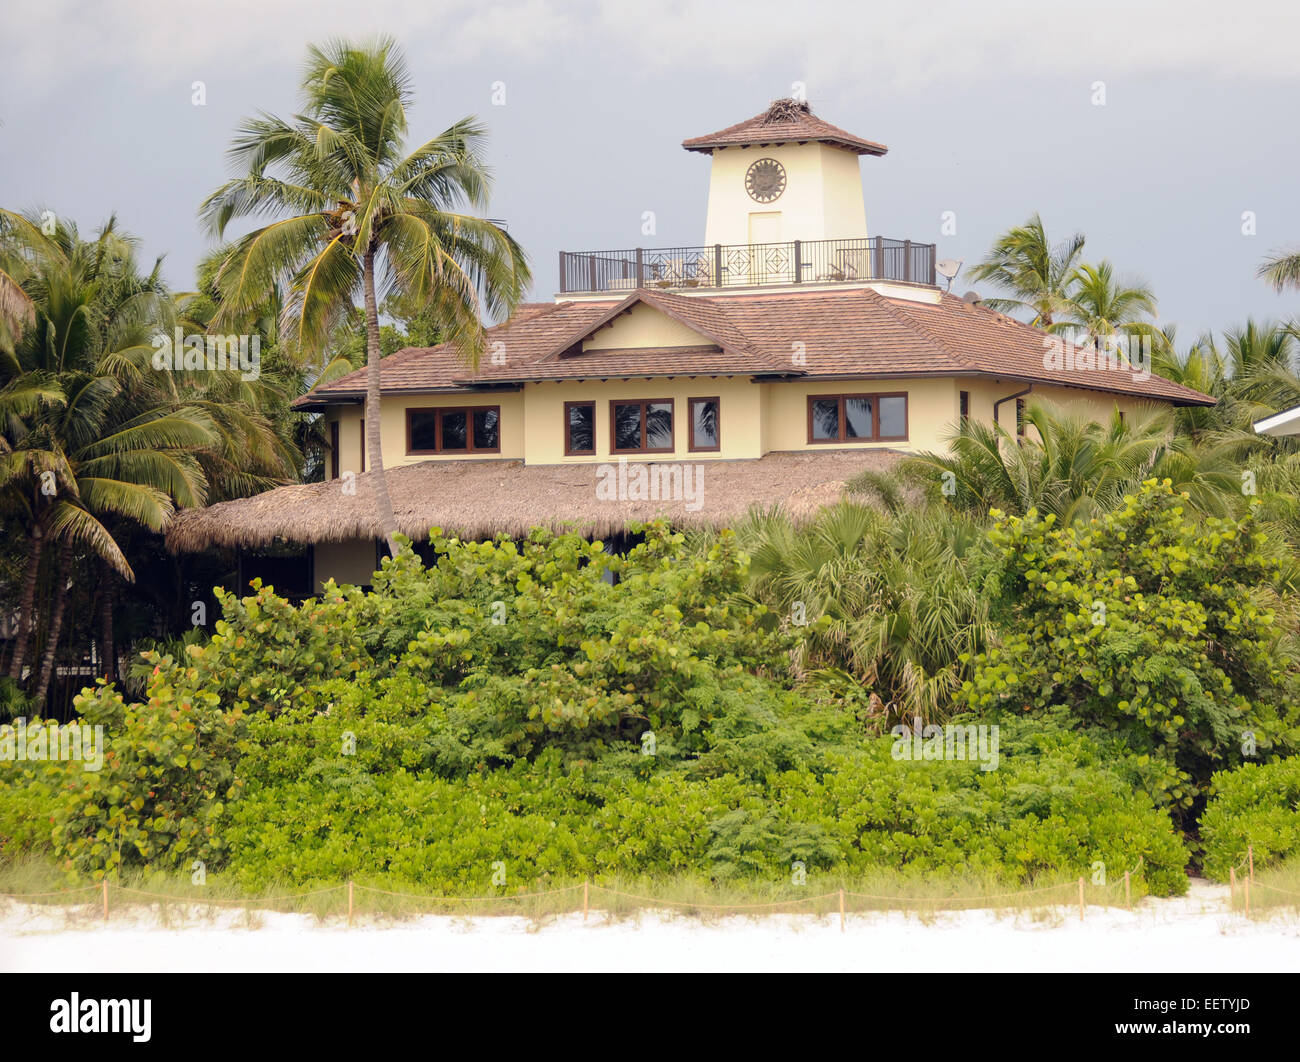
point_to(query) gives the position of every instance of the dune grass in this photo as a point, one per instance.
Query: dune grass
(176, 897)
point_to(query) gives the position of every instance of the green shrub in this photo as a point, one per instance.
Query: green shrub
(1150, 624)
(509, 706)
(1255, 805)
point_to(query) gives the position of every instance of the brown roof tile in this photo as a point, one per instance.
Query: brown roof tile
(783, 122)
(823, 332)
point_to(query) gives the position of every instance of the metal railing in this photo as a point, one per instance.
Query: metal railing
(748, 265)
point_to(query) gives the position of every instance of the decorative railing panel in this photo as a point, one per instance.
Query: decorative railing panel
(748, 265)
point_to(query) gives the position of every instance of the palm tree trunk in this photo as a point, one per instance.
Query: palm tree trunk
(107, 648)
(26, 603)
(374, 450)
(56, 626)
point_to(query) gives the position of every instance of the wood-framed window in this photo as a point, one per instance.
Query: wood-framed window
(334, 449)
(834, 419)
(579, 428)
(963, 406)
(705, 424)
(454, 430)
(641, 426)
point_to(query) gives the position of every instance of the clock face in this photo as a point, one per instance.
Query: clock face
(765, 180)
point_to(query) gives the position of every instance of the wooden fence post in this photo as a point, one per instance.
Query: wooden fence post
(841, 910)
(349, 902)
(105, 897)
(1081, 899)
(1248, 897)
(585, 886)
(1250, 855)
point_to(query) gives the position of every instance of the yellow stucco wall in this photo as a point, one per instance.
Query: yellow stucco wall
(755, 418)
(393, 427)
(645, 326)
(739, 414)
(1098, 405)
(931, 410)
(822, 198)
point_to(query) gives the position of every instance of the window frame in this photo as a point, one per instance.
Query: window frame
(580, 453)
(335, 456)
(874, 396)
(439, 412)
(645, 404)
(690, 425)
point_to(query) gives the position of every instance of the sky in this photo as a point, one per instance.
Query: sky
(1166, 132)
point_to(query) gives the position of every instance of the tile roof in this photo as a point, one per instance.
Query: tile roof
(855, 332)
(785, 121)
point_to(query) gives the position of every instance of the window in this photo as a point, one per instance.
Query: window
(704, 433)
(334, 449)
(461, 430)
(964, 406)
(579, 428)
(856, 418)
(1020, 417)
(363, 448)
(642, 427)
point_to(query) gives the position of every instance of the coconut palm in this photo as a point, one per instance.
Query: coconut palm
(358, 216)
(80, 445)
(1282, 270)
(1102, 307)
(1035, 275)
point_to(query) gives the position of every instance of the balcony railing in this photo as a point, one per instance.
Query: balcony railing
(748, 265)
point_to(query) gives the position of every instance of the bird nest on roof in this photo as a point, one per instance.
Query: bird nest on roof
(786, 110)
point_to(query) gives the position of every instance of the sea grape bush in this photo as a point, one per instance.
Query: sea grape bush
(1253, 806)
(1149, 623)
(510, 703)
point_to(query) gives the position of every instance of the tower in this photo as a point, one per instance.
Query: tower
(784, 175)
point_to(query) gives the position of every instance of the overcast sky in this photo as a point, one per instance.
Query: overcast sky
(988, 110)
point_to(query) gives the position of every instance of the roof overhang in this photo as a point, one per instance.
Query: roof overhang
(1285, 423)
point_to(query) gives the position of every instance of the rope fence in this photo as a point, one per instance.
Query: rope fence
(1077, 892)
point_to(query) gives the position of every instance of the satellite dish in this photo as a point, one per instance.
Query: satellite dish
(948, 268)
(973, 297)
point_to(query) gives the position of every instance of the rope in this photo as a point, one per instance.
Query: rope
(468, 899)
(57, 892)
(202, 900)
(972, 899)
(714, 906)
(1273, 888)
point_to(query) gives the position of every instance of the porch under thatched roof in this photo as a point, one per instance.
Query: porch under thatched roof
(477, 499)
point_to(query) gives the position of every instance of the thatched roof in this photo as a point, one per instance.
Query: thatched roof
(480, 498)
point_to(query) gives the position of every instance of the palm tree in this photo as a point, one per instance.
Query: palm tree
(1282, 270)
(1035, 274)
(1066, 464)
(80, 447)
(1102, 307)
(356, 212)
(893, 592)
